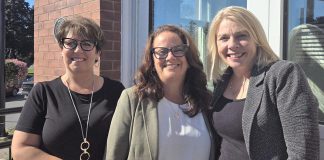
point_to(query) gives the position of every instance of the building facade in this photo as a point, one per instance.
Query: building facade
(48, 62)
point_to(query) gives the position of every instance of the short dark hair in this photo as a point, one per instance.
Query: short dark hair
(82, 26)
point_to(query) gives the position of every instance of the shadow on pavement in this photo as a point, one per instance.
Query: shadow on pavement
(15, 98)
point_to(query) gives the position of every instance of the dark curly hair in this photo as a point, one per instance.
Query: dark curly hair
(149, 85)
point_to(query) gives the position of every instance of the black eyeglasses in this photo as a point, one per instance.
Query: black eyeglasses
(86, 45)
(177, 51)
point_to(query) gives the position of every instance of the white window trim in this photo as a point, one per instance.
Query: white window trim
(134, 32)
(270, 14)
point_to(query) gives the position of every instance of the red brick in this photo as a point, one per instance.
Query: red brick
(59, 71)
(43, 47)
(54, 64)
(116, 45)
(49, 8)
(83, 1)
(49, 57)
(107, 5)
(78, 9)
(111, 74)
(106, 25)
(54, 15)
(73, 2)
(95, 16)
(43, 32)
(38, 26)
(54, 47)
(116, 65)
(48, 24)
(51, 1)
(91, 6)
(42, 3)
(117, 6)
(43, 17)
(67, 12)
(109, 15)
(60, 5)
(108, 45)
(107, 65)
(117, 26)
(110, 55)
(36, 3)
(48, 60)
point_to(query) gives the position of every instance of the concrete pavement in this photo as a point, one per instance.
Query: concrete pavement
(11, 119)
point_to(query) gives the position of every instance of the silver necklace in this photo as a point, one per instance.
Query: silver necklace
(85, 144)
(237, 92)
(176, 112)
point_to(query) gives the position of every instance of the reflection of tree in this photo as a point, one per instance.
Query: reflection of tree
(192, 29)
(206, 27)
(198, 31)
(319, 20)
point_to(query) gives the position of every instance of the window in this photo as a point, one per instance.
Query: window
(305, 39)
(192, 15)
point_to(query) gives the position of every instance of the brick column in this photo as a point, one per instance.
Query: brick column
(110, 13)
(48, 62)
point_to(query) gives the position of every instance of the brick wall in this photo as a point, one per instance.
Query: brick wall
(48, 62)
(110, 13)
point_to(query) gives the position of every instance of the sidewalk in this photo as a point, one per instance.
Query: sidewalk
(11, 120)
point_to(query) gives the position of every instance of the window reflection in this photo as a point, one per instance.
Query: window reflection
(192, 15)
(306, 43)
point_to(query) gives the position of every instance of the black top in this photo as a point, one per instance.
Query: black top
(227, 121)
(49, 112)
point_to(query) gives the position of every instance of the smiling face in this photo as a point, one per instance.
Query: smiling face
(171, 68)
(78, 60)
(235, 46)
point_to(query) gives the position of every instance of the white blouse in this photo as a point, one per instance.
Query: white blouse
(181, 137)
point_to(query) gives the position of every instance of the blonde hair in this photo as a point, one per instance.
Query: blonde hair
(251, 24)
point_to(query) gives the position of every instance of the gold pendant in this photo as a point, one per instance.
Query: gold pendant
(85, 145)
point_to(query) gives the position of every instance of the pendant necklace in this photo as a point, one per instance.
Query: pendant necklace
(183, 108)
(85, 144)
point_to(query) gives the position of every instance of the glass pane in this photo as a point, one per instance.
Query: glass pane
(192, 15)
(306, 43)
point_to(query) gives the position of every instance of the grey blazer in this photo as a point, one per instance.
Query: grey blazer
(280, 118)
(133, 132)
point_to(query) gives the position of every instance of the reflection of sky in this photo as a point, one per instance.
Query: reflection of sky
(318, 7)
(181, 12)
(187, 9)
(297, 6)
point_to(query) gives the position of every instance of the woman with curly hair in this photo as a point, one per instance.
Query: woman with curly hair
(163, 115)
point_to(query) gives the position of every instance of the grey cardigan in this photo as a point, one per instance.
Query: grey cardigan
(133, 133)
(280, 118)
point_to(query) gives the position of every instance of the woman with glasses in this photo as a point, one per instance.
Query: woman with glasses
(163, 115)
(67, 118)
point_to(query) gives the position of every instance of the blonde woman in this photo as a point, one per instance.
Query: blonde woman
(263, 107)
